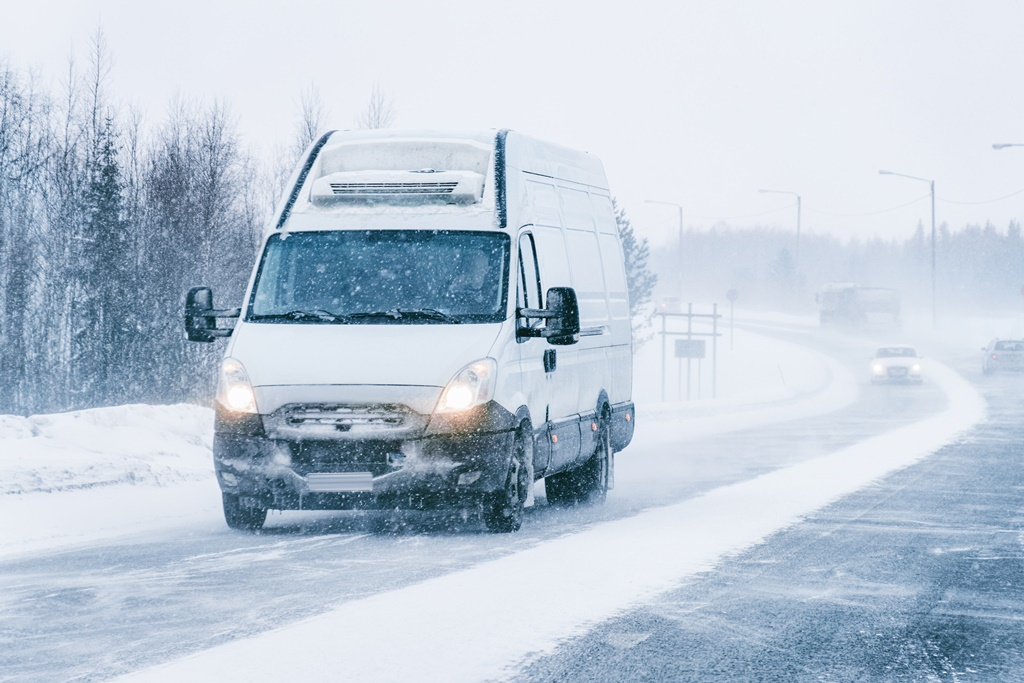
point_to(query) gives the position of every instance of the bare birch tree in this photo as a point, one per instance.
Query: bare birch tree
(379, 112)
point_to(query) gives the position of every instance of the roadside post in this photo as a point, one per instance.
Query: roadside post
(689, 337)
(691, 346)
(731, 295)
(714, 354)
(690, 349)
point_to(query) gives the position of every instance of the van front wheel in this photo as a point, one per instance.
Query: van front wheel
(505, 512)
(243, 517)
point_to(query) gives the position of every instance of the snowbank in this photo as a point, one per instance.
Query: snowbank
(131, 444)
(75, 478)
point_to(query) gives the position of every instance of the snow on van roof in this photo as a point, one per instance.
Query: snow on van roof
(524, 152)
(395, 150)
(367, 174)
(483, 136)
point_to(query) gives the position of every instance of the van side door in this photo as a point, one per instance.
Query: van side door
(532, 349)
(561, 384)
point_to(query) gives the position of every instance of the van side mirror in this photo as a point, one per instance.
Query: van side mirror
(564, 328)
(201, 317)
(562, 312)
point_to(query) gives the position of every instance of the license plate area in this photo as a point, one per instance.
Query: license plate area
(339, 482)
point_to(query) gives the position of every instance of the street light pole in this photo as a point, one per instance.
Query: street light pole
(931, 185)
(797, 254)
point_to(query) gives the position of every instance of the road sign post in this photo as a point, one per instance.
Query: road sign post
(691, 347)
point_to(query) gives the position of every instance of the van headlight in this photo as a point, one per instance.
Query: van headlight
(878, 368)
(234, 390)
(471, 386)
(916, 367)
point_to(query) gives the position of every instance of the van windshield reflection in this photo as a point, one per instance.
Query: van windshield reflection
(382, 277)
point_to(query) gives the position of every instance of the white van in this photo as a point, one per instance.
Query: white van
(436, 320)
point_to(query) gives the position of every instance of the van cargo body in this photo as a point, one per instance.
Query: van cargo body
(435, 320)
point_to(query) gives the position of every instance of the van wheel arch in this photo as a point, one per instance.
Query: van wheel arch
(604, 406)
(504, 512)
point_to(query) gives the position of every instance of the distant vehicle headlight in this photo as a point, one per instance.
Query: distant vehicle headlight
(878, 368)
(916, 367)
(234, 390)
(471, 386)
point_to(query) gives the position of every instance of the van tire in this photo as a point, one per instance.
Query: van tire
(241, 516)
(588, 483)
(504, 514)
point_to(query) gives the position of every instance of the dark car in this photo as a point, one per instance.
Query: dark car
(1003, 354)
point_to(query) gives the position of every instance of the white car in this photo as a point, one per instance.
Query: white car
(896, 364)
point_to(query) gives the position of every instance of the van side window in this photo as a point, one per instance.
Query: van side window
(529, 277)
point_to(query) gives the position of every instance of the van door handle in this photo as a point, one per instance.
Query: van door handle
(550, 360)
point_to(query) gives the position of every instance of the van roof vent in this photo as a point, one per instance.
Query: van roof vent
(392, 188)
(398, 187)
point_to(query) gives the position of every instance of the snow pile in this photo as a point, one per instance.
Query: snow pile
(132, 444)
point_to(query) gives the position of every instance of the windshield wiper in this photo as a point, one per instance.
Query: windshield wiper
(319, 315)
(410, 313)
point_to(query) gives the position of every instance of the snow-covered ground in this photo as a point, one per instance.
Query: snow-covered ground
(432, 630)
(134, 471)
(77, 477)
(74, 478)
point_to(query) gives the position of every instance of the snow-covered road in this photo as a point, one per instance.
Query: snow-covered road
(110, 579)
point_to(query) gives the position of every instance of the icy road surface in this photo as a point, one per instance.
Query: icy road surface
(93, 605)
(919, 577)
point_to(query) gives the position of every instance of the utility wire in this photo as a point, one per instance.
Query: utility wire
(748, 215)
(855, 215)
(987, 201)
(870, 213)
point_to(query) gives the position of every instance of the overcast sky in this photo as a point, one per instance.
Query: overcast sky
(696, 103)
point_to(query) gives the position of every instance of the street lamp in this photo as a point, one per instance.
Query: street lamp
(679, 290)
(931, 184)
(797, 255)
(1004, 145)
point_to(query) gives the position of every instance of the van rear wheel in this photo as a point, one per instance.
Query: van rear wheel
(588, 483)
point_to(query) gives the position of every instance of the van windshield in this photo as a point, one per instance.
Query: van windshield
(382, 277)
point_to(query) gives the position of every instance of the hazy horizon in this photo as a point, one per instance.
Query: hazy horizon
(698, 104)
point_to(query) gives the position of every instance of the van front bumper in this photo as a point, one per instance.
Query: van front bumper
(452, 463)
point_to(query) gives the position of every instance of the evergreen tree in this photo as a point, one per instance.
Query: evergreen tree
(110, 271)
(640, 280)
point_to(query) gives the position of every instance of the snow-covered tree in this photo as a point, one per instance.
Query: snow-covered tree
(379, 112)
(640, 279)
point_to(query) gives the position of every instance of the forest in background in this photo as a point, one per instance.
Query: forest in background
(978, 268)
(107, 218)
(104, 222)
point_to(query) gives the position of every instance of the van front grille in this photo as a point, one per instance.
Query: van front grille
(345, 417)
(344, 421)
